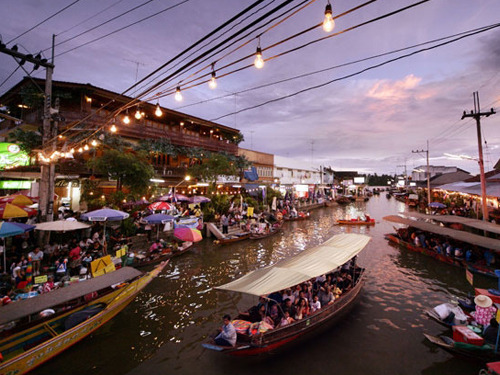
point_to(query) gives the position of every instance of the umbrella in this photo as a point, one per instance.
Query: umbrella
(158, 219)
(160, 206)
(8, 211)
(62, 226)
(199, 199)
(437, 205)
(105, 214)
(17, 199)
(188, 234)
(174, 198)
(9, 230)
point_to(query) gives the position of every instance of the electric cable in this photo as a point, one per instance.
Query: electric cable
(45, 20)
(10, 75)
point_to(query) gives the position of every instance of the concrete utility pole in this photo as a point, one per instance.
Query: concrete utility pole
(477, 114)
(406, 175)
(428, 172)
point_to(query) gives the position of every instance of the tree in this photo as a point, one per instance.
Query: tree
(130, 170)
(28, 141)
(212, 168)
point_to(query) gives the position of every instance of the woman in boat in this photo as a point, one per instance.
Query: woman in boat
(302, 309)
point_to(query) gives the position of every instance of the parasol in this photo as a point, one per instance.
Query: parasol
(9, 230)
(437, 205)
(174, 198)
(160, 206)
(17, 199)
(188, 234)
(8, 211)
(199, 199)
(105, 214)
(158, 219)
(61, 226)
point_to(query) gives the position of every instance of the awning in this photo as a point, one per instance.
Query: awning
(473, 223)
(458, 235)
(19, 309)
(252, 174)
(309, 263)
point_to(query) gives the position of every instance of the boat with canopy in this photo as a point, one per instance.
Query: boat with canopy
(286, 273)
(37, 329)
(477, 241)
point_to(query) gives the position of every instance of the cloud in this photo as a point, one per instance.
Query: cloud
(395, 91)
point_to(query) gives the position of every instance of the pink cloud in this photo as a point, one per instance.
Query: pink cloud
(397, 90)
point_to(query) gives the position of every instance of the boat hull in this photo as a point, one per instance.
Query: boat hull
(225, 241)
(36, 356)
(355, 222)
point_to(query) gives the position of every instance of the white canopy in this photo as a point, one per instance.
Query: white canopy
(61, 226)
(310, 263)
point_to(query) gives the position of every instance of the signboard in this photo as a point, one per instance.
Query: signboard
(102, 266)
(15, 185)
(11, 156)
(302, 188)
(359, 180)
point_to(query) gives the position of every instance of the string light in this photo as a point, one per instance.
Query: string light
(328, 22)
(126, 119)
(93, 143)
(259, 61)
(86, 147)
(178, 95)
(113, 128)
(80, 150)
(213, 82)
(158, 111)
(138, 114)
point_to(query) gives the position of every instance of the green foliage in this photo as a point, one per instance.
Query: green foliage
(236, 139)
(271, 193)
(28, 141)
(161, 146)
(130, 170)
(376, 180)
(116, 142)
(116, 198)
(127, 227)
(217, 205)
(216, 165)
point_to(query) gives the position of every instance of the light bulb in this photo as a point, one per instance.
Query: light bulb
(178, 95)
(158, 111)
(72, 151)
(80, 150)
(328, 23)
(258, 62)
(138, 115)
(113, 128)
(213, 81)
(126, 119)
(86, 147)
(93, 143)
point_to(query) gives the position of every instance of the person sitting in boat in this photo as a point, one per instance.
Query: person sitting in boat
(459, 254)
(276, 297)
(227, 336)
(489, 258)
(484, 310)
(347, 284)
(289, 307)
(367, 218)
(325, 295)
(302, 309)
(491, 332)
(286, 319)
(293, 212)
(288, 294)
(315, 304)
(61, 269)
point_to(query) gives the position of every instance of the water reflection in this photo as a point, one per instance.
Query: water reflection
(161, 331)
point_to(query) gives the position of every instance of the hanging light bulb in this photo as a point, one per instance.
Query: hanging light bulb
(80, 150)
(178, 95)
(72, 151)
(158, 111)
(259, 61)
(126, 119)
(113, 128)
(138, 114)
(328, 23)
(93, 143)
(86, 147)
(213, 81)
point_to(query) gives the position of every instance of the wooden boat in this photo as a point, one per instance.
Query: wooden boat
(142, 261)
(301, 216)
(42, 340)
(493, 368)
(457, 235)
(274, 229)
(233, 238)
(459, 317)
(318, 260)
(485, 353)
(356, 222)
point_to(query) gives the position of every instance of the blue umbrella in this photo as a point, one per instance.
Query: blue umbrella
(158, 219)
(105, 214)
(437, 205)
(8, 229)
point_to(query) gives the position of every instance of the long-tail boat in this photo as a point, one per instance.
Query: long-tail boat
(475, 240)
(310, 263)
(356, 222)
(233, 238)
(143, 261)
(275, 228)
(31, 339)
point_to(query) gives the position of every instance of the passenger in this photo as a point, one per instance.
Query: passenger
(289, 307)
(227, 336)
(491, 332)
(347, 283)
(286, 320)
(325, 295)
(275, 314)
(459, 254)
(276, 297)
(288, 295)
(315, 305)
(302, 309)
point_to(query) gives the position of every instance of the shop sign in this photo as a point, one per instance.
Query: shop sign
(64, 183)
(12, 184)
(11, 156)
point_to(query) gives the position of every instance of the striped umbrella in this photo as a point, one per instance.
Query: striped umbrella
(9, 211)
(17, 199)
(188, 234)
(160, 206)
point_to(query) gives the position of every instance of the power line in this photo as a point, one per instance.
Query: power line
(10, 75)
(357, 73)
(45, 20)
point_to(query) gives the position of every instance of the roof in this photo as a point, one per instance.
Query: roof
(473, 223)
(309, 263)
(458, 235)
(20, 309)
(474, 188)
(447, 178)
(296, 164)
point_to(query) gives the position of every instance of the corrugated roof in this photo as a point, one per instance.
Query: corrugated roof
(473, 223)
(458, 235)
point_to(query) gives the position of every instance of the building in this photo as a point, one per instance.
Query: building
(296, 176)
(420, 173)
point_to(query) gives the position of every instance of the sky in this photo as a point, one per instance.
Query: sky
(360, 116)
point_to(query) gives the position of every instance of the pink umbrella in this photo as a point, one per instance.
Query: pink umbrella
(160, 206)
(188, 234)
(174, 198)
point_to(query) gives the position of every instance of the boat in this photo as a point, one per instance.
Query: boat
(493, 368)
(356, 222)
(343, 200)
(40, 340)
(449, 314)
(274, 229)
(141, 260)
(299, 217)
(233, 238)
(484, 353)
(286, 273)
(456, 235)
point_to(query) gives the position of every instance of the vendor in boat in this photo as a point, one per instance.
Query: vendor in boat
(484, 310)
(227, 336)
(491, 332)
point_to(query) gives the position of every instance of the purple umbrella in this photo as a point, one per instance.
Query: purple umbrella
(174, 198)
(199, 199)
(158, 219)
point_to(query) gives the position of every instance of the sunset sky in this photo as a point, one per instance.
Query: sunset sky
(361, 117)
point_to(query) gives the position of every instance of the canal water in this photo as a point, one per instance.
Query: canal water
(161, 332)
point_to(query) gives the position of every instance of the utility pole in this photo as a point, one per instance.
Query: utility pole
(477, 114)
(428, 172)
(406, 176)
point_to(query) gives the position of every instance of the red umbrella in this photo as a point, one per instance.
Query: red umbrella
(17, 199)
(8, 211)
(188, 234)
(160, 206)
